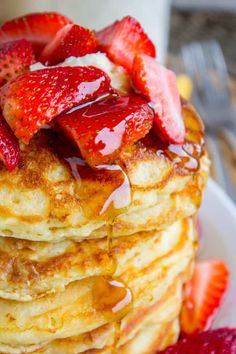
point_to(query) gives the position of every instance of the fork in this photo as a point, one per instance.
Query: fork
(204, 63)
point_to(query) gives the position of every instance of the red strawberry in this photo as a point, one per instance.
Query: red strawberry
(37, 28)
(9, 146)
(123, 40)
(15, 58)
(203, 295)
(71, 40)
(158, 85)
(218, 341)
(33, 99)
(101, 129)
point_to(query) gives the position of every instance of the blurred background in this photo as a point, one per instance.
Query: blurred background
(196, 38)
(202, 52)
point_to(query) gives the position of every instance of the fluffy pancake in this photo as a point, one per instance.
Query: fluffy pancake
(153, 332)
(153, 276)
(54, 195)
(152, 336)
(29, 269)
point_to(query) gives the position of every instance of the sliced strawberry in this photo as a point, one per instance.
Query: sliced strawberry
(35, 98)
(203, 296)
(218, 341)
(103, 128)
(158, 85)
(37, 28)
(9, 146)
(71, 40)
(15, 58)
(123, 40)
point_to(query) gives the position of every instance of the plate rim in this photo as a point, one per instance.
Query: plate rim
(220, 194)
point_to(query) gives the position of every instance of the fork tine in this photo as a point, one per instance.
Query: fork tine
(204, 82)
(220, 67)
(212, 76)
(190, 67)
(186, 56)
(204, 62)
(195, 66)
(216, 73)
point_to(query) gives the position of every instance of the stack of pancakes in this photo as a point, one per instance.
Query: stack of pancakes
(94, 261)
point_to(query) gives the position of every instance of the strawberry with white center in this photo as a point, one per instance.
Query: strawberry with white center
(103, 128)
(123, 40)
(218, 341)
(158, 85)
(15, 59)
(35, 98)
(203, 295)
(9, 146)
(71, 40)
(37, 28)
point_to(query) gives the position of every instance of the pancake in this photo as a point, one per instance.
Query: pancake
(53, 195)
(152, 336)
(152, 279)
(152, 332)
(29, 269)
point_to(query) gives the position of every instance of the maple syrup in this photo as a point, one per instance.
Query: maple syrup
(103, 191)
(186, 157)
(112, 297)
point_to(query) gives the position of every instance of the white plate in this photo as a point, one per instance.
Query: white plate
(218, 220)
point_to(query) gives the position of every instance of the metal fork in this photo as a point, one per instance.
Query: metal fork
(204, 63)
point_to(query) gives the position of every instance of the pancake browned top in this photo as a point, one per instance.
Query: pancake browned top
(53, 194)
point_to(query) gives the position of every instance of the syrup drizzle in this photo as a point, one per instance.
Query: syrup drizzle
(112, 297)
(181, 157)
(103, 191)
(186, 157)
(121, 196)
(74, 162)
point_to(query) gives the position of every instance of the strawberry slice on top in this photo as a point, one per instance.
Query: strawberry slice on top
(103, 128)
(9, 146)
(158, 85)
(203, 295)
(37, 28)
(15, 59)
(123, 40)
(35, 98)
(71, 40)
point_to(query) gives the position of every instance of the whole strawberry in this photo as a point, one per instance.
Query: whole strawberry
(218, 341)
(15, 59)
(34, 99)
